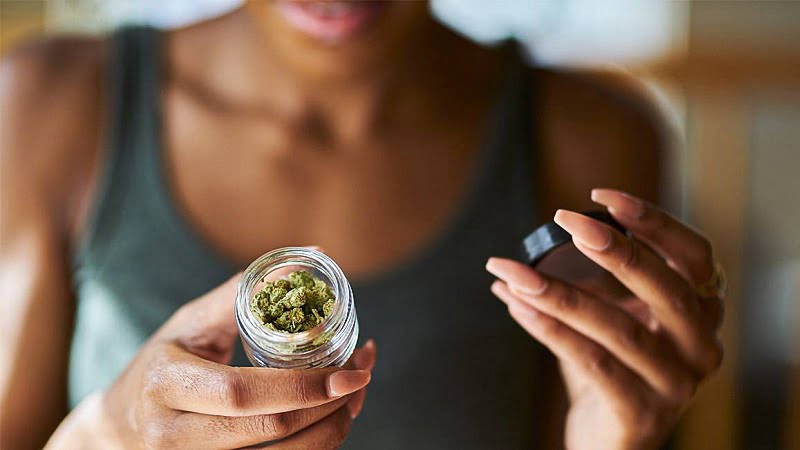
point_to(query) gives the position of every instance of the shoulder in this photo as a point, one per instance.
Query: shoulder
(51, 101)
(39, 73)
(597, 129)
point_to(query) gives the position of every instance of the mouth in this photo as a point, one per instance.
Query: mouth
(331, 20)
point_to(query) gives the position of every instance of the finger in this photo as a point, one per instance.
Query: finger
(617, 331)
(211, 311)
(689, 251)
(625, 392)
(672, 299)
(187, 382)
(364, 359)
(328, 433)
(206, 431)
(207, 325)
(684, 249)
(356, 403)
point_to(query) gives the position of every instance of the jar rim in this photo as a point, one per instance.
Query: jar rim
(258, 269)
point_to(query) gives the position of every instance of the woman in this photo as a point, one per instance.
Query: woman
(145, 169)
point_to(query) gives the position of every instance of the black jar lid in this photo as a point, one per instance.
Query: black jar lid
(545, 238)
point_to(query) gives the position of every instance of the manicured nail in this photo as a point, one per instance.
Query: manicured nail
(620, 203)
(527, 292)
(524, 279)
(584, 230)
(497, 289)
(346, 382)
(521, 311)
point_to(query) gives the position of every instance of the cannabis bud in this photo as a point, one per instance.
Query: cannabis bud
(298, 303)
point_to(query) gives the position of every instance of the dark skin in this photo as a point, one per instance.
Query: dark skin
(295, 108)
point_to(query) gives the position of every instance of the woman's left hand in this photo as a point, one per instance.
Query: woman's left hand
(629, 375)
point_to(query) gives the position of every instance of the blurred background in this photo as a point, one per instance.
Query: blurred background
(727, 77)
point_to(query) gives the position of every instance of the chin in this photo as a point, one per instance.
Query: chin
(337, 36)
(334, 21)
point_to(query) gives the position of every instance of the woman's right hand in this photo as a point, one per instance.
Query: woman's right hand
(178, 392)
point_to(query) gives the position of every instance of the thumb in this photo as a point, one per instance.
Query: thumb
(215, 307)
(206, 326)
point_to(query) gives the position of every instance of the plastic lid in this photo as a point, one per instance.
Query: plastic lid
(550, 235)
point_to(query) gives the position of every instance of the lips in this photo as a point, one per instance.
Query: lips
(331, 20)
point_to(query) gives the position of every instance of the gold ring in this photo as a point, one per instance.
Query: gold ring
(716, 287)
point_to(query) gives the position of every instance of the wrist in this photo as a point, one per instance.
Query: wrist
(86, 426)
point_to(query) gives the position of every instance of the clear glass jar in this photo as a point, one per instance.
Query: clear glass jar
(329, 344)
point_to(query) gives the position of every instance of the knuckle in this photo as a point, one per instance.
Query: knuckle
(631, 258)
(600, 363)
(551, 329)
(155, 379)
(157, 436)
(568, 300)
(151, 386)
(274, 426)
(301, 389)
(633, 336)
(234, 392)
(683, 300)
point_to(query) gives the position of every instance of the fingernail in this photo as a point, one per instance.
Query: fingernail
(526, 292)
(524, 279)
(584, 230)
(346, 382)
(620, 203)
(494, 264)
(523, 311)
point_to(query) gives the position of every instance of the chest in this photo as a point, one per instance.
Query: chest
(250, 183)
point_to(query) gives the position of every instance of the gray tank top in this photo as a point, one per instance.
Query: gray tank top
(462, 375)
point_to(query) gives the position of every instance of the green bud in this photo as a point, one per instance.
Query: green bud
(291, 320)
(327, 308)
(298, 303)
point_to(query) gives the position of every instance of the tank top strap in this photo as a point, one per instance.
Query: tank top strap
(523, 145)
(511, 140)
(131, 105)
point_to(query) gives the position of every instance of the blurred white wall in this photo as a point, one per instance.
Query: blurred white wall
(565, 32)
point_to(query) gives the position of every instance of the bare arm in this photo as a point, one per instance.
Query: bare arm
(46, 110)
(595, 129)
(50, 97)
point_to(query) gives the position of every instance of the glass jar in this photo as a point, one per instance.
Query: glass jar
(328, 344)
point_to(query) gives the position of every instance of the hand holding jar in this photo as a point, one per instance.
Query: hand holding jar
(178, 392)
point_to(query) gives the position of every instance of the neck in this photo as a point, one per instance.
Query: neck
(345, 97)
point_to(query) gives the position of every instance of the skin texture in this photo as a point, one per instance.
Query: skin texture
(179, 392)
(245, 102)
(629, 376)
